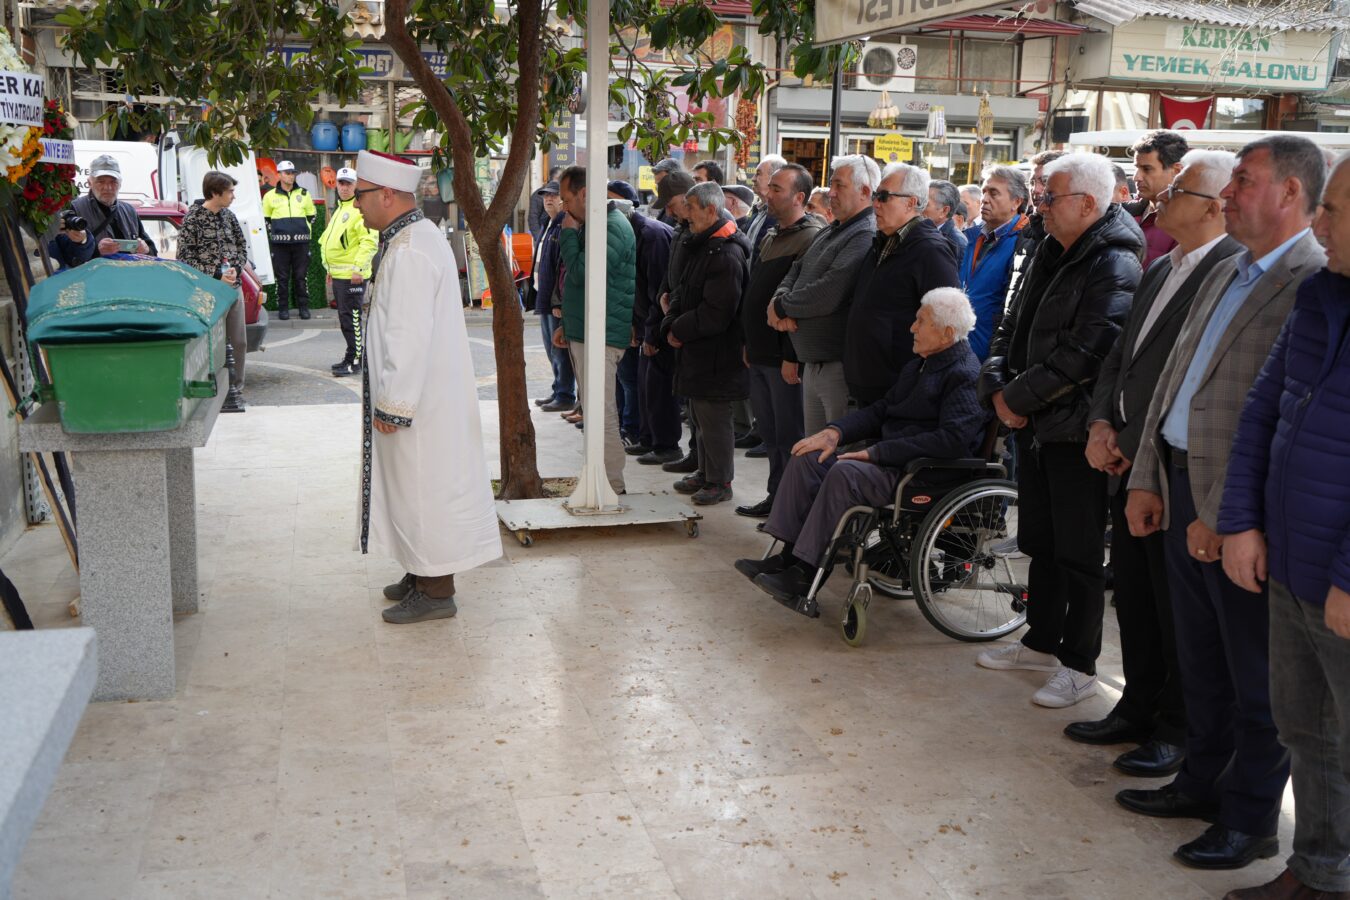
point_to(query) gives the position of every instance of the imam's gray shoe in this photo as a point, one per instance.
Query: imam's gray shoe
(418, 607)
(399, 589)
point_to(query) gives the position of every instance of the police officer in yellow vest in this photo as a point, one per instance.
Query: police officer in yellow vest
(347, 248)
(289, 211)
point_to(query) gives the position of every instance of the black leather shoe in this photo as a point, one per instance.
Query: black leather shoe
(1223, 848)
(283, 315)
(1167, 802)
(689, 463)
(747, 440)
(759, 510)
(304, 312)
(636, 449)
(1113, 729)
(753, 568)
(789, 587)
(660, 457)
(1152, 759)
(757, 452)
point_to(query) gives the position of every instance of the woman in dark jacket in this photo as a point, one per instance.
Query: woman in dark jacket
(704, 327)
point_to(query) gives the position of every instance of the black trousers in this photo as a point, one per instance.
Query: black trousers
(778, 417)
(290, 264)
(1233, 752)
(660, 410)
(1152, 698)
(1061, 525)
(349, 297)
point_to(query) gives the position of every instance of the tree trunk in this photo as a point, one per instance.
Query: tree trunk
(520, 469)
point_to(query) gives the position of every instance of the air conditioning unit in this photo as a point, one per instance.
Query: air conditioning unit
(887, 67)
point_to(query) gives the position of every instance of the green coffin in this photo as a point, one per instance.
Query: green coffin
(132, 345)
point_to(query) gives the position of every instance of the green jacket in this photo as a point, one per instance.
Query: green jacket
(620, 285)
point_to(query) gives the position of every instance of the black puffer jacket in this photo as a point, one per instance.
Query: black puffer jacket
(1066, 315)
(705, 315)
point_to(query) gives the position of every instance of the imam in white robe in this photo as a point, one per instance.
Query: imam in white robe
(425, 495)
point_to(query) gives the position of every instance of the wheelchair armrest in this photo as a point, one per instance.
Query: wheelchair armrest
(953, 465)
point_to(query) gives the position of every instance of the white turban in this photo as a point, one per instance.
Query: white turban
(388, 171)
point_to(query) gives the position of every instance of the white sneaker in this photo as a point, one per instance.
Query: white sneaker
(1017, 656)
(1065, 688)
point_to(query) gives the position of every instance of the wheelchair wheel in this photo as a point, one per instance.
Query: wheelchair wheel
(854, 625)
(963, 587)
(887, 569)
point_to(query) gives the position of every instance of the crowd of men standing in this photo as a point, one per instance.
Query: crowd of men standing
(1172, 372)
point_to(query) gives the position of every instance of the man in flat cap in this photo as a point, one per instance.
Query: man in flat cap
(95, 222)
(425, 496)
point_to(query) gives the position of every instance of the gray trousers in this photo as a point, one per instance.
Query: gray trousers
(716, 439)
(778, 417)
(236, 334)
(824, 394)
(1310, 699)
(813, 496)
(614, 455)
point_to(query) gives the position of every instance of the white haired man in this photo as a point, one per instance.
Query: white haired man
(971, 195)
(761, 217)
(1151, 710)
(931, 411)
(812, 301)
(909, 257)
(1043, 364)
(943, 201)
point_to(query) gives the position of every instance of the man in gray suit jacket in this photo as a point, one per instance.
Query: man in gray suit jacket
(1151, 709)
(1235, 769)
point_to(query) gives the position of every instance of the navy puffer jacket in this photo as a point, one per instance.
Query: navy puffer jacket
(1287, 471)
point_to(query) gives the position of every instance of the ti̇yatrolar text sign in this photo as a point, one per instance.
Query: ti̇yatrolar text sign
(21, 99)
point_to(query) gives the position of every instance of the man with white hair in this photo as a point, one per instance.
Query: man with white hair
(106, 219)
(761, 217)
(931, 411)
(940, 209)
(425, 496)
(971, 196)
(908, 258)
(812, 301)
(1284, 518)
(1151, 710)
(1235, 769)
(1043, 364)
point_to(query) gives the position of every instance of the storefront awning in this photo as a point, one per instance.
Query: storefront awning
(1007, 25)
(1118, 12)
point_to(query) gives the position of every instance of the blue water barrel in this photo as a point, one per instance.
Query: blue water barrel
(353, 137)
(324, 136)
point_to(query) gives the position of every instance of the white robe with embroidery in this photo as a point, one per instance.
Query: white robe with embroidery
(430, 500)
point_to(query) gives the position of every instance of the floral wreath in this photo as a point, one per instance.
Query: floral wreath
(48, 187)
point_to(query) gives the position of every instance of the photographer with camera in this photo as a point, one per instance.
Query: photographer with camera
(94, 224)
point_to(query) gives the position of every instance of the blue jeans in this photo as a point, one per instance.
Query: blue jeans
(564, 383)
(626, 394)
(1310, 697)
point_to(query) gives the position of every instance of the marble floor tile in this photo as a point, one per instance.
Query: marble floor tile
(586, 837)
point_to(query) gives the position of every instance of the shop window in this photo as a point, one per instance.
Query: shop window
(1240, 112)
(987, 66)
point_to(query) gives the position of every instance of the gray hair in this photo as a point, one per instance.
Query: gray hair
(950, 308)
(863, 168)
(1213, 169)
(822, 192)
(773, 161)
(913, 181)
(1295, 157)
(1089, 173)
(1013, 180)
(708, 194)
(947, 195)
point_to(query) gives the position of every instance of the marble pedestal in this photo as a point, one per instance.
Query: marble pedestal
(135, 497)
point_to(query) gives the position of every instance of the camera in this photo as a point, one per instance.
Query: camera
(73, 221)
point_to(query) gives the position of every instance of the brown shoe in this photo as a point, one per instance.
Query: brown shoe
(1285, 887)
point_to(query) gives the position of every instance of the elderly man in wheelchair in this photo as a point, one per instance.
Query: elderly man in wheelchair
(922, 440)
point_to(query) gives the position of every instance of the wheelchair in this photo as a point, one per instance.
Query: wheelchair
(938, 542)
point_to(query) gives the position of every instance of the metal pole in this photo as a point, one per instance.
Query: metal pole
(593, 493)
(834, 148)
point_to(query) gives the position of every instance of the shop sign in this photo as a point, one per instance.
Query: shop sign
(843, 20)
(893, 147)
(21, 99)
(1158, 50)
(378, 59)
(646, 179)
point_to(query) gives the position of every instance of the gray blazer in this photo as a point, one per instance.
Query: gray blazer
(1135, 375)
(1238, 359)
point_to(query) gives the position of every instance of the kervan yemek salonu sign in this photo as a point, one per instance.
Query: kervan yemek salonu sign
(1214, 56)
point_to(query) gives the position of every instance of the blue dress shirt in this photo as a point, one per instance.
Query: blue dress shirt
(1178, 420)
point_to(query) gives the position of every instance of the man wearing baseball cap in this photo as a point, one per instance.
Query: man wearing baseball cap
(107, 220)
(289, 211)
(347, 247)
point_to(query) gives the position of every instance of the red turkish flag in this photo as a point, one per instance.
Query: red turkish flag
(1185, 115)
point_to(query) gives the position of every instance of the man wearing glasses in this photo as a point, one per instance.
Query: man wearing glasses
(1044, 360)
(908, 258)
(1151, 711)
